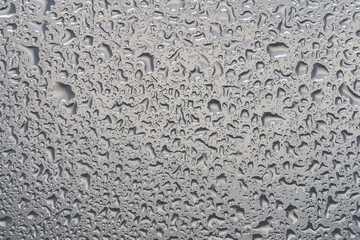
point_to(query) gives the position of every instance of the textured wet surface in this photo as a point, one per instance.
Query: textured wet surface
(179, 119)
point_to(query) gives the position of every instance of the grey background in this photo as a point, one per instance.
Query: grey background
(179, 119)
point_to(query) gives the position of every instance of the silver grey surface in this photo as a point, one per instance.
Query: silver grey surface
(179, 119)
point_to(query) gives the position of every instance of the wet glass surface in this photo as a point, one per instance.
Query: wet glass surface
(179, 119)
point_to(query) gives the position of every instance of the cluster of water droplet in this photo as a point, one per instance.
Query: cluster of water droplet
(176, 119)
